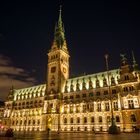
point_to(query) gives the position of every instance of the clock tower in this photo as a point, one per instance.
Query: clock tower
(58, 61)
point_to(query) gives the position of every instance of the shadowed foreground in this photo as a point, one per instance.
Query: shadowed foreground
(73, 136)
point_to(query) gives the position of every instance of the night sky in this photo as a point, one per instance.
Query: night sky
(92, 29)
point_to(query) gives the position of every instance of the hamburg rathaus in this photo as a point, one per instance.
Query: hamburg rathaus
(85, 103)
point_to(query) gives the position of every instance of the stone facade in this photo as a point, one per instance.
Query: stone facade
(84, 103)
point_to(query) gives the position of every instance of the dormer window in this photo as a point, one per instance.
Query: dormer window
(126, 77)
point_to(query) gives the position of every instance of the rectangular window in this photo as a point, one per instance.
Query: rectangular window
(99, 107)
(114, 91)
(90, 94)
(115, 105)
(107, 108)
(92, 119)
(71, 97)
(71, 109)
(131, 104)
(77, 109)
(98, 93)
(84, 95)
(77, 96)
(91, 107)
(84, 108)
(106, 92)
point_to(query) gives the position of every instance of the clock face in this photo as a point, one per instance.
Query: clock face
(64, 70)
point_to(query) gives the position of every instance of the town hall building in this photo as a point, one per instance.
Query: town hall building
(85, 103)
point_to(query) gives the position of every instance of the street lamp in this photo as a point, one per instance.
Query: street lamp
(113, 129)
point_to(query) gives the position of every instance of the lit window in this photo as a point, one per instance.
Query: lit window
(115, 105)
(107, 108)
(131, 104)
(99, 107)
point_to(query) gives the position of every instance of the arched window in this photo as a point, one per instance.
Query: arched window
(78, 120)
(33, 122)
(71, 120)
(65, 120)
(100, 118)
(85, 119)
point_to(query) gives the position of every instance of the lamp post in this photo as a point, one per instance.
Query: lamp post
(113, 129)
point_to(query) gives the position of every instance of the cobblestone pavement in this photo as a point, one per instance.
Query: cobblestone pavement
(73, 136)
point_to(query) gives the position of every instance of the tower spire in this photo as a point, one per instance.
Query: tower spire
(133, 57)
(59, 34)
(135, 65)
(60, 17)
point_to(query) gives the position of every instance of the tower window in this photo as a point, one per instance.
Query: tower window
(53, 69)
(126, 77)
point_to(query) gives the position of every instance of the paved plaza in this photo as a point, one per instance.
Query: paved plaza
(73, 136)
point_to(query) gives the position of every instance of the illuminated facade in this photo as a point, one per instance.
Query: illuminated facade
(76, 104)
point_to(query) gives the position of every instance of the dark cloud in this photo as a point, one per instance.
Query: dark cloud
(11, 75)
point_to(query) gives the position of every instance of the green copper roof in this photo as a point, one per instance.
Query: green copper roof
(59, 35)
(100, 76)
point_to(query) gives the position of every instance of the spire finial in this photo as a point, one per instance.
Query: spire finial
(60, 17)
(133, 57)
(60, 8)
